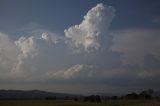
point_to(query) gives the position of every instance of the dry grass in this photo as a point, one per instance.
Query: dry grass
(72, 103)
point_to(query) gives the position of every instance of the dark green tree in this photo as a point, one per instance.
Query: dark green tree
(147, 94)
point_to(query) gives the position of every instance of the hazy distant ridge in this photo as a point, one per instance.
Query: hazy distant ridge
(32, 94)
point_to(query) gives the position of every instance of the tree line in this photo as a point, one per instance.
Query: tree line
(146, 94)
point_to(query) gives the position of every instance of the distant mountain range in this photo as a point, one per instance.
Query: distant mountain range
(38, 94)
(33, 94)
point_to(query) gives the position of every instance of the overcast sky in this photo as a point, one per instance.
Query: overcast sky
(80, 46)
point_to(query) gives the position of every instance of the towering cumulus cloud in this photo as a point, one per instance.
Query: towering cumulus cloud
(46, 56)
(105, 57)
(88, 34)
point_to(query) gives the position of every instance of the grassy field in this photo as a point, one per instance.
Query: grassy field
(72, 103)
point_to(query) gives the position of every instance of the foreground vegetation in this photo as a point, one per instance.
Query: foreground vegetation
(155, 102)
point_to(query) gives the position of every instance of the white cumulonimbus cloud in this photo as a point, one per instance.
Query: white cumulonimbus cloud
(32, 57)
(46, 56)
(88, 34)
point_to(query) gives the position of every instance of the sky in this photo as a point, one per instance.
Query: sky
(80, 46)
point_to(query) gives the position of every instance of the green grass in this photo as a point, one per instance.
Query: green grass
(72, 103)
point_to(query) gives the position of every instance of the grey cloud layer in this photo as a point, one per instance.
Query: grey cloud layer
(108, 57)
(136, 44)
(139, 47)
